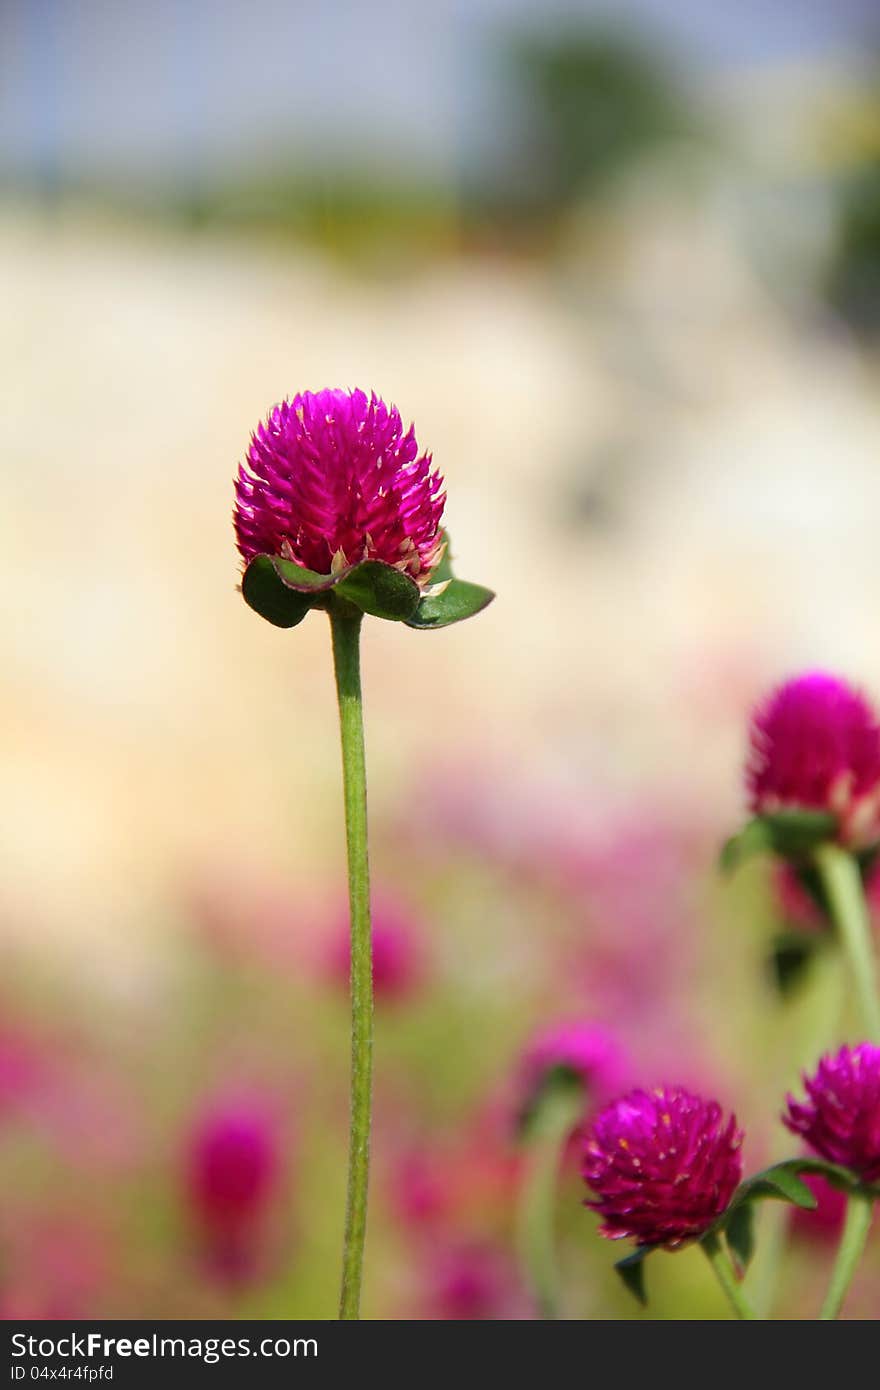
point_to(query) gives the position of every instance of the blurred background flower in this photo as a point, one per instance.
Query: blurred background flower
(620, 263)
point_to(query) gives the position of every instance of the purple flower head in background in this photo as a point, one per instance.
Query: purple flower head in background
(840, 1119)
(398, 954)
(234, 1166)
(585, 1052)
(331, 479)
(815, 745)
(471, 1281)
(234, 1161)
(663, 1164)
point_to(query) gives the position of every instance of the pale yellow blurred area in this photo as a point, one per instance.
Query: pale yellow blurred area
(151, 722)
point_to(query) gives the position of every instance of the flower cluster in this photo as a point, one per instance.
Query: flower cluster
(665, 1164)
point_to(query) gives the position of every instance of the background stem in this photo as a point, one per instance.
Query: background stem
(859, 1208)
(717, 1255)
(550, 1128)
(842, 883)
(345, 624)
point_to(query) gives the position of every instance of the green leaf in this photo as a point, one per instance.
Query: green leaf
(283, 592)
(264, 590)
(796, 833)
(782, 1181)
(458, 601)
(753, 839)
(791, 834)
(740, 1233)
(304, 581)
(632, 1272)
(381, 590)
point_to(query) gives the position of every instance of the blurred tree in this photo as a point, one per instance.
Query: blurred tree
(591, 103)
(854, 277)
(853, 281)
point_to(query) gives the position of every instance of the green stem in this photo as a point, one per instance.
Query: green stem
(842, 882)
(719, 1259)
(550, 1128)
(852, 1243)
(345, 624)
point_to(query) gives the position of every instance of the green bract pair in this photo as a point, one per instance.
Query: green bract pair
(284, 592)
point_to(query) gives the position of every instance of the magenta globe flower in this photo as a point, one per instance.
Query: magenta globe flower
(332, 478)
(335, 500)
(840, 1119)
(815, 746)
(663, 1164)
(336, 510)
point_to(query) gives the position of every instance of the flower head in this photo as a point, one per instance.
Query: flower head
(815, 745)
(840, 1119)
(664, 1165)
(586, 1052)
(332, 479)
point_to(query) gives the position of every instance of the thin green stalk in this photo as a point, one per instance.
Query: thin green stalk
(810, 1027)
(550, 1128)
(842, 882)
(345, 624)
(718, 1257)
(852, 1242)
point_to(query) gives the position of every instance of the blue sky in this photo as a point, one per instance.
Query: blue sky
(130, 90)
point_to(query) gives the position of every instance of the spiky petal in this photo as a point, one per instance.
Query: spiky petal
(815, 745)
(663, 1164)
(332, 478)
(840, 1119)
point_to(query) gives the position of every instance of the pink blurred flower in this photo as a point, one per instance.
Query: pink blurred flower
(586, 1051)
(398, 950)
(815, 745)
(840, 1120)
(462, 1181)
(24, 1071)
(56, 1266)
(471, 1281)
(663, 1164)
(234, 1165)
(333, 479)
